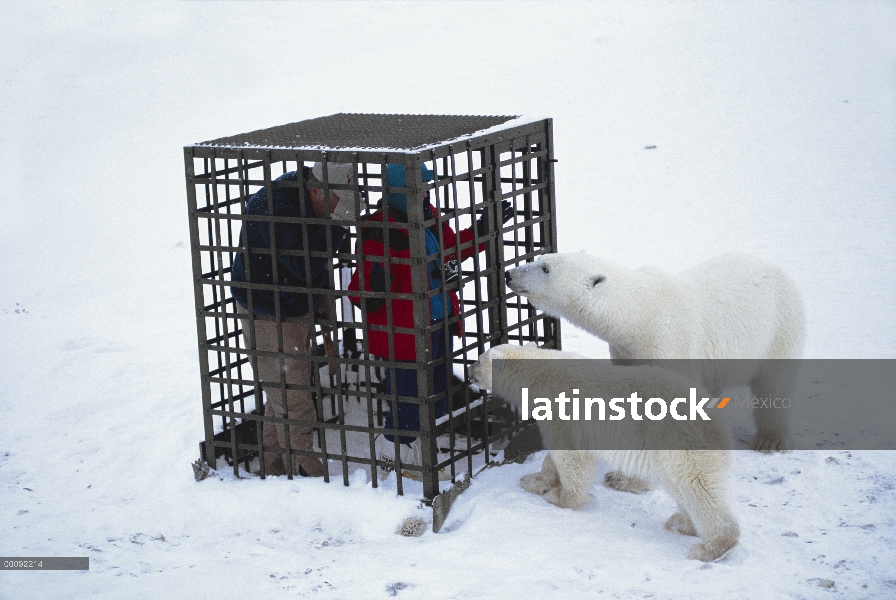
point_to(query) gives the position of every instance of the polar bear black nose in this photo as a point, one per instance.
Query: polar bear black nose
(507, 277)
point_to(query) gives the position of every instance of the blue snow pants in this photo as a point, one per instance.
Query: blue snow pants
(406, 385)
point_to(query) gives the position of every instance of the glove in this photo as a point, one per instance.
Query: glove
(451, 271)
(377, 278)
(506, 214)
(377, 283)
(344, 259)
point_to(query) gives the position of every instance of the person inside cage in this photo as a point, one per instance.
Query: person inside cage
(406, 416)
(263, 314)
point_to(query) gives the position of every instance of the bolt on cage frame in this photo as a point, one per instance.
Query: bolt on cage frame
(478, 162)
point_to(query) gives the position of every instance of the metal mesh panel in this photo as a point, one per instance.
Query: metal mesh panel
(347, 130)
(472, 179)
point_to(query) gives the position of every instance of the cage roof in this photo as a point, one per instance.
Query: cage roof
(367, 131)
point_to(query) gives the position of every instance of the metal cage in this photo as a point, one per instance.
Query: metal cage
(478, 162)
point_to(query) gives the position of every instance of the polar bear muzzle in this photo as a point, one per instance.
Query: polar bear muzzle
(516, 278)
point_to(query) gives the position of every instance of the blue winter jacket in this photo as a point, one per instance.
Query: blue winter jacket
(289, 236)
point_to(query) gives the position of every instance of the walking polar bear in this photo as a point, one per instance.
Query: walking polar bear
(696, 479)
(734, 306)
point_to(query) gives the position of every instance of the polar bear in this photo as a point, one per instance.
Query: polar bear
(734, 306)
(696, 479)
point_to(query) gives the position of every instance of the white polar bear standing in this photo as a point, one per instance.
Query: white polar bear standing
(696, 479)
(734, 306)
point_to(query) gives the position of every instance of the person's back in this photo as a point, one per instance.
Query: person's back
(290, 268)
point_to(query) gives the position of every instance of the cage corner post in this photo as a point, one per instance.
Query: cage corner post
(423, 338)
(207, 447)
(552, 323)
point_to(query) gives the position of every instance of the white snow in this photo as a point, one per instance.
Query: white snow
(774, 126)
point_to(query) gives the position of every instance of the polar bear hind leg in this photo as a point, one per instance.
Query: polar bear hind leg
(775, 379)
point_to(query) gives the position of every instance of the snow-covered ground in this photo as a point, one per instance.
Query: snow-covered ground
(774, 126)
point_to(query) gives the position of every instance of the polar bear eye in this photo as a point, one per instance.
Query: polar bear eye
(545, 268)
(597, 280)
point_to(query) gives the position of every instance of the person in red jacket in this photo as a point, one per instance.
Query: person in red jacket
(405, 416)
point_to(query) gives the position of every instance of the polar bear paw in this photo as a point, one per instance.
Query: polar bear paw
(768, 443)
(537, 483)
(708, 552)
(565, 498)
(624, 483)
(681, 523)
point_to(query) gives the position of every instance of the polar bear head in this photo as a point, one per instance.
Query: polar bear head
(481, 371)
(587, 290)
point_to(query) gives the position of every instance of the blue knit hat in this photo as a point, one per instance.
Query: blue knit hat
(395, 178)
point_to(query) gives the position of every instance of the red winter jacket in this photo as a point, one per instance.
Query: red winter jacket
(402, 310)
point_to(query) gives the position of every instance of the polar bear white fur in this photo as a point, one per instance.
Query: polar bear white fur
(734, 306)
(696, 479)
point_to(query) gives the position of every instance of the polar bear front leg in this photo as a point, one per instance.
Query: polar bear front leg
(542, 482)
(771, 435)
(575, 468)
(699, 489)
(772, 420)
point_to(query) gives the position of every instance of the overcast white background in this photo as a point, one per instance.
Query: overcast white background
(775, 134)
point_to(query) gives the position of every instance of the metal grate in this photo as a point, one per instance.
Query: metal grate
(348, 130)
(471, 180)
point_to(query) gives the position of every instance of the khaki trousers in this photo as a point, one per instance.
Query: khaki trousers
(298, 403)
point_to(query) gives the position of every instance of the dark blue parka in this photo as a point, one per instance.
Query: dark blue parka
(289, 236)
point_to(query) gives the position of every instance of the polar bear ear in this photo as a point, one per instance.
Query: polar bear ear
(583, 251)
(531, 344)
